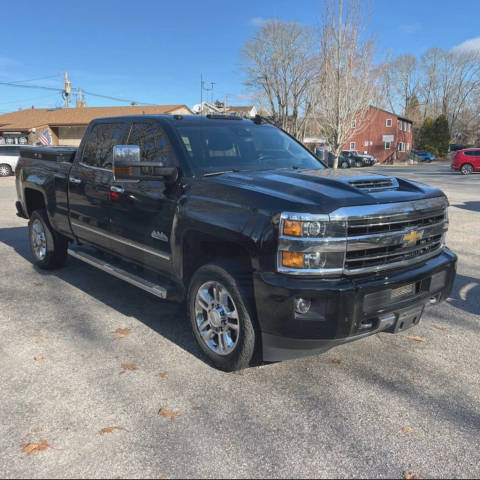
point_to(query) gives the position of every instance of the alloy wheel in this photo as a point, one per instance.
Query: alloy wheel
(38, 239)
(216, 318)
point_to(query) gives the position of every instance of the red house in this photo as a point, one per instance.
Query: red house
(382, 134)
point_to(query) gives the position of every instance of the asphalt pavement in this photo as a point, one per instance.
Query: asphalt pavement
(81, 352)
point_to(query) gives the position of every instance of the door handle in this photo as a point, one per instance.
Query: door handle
(115, 189)
(75, 180)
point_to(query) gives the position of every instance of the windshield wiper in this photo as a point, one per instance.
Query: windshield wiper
(211, 174)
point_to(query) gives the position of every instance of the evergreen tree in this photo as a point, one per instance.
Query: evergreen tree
(426, 136)
(442, 135)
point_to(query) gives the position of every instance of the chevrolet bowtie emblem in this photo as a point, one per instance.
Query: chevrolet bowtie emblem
(412, 236)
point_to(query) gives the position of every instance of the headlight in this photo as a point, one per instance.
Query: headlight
(311, 244)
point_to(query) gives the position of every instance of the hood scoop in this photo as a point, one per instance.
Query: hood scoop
(374, 183)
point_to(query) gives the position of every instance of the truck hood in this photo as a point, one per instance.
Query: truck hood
(320, 191)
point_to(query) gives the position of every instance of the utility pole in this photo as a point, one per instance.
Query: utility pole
(80, 101)
(67, 89)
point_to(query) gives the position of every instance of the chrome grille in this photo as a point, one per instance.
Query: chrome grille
(383, 241)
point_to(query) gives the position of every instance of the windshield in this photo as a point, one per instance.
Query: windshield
(243, 146)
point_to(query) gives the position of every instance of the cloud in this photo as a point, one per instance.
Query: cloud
(471, 45)
(257, 21)
(410, 28)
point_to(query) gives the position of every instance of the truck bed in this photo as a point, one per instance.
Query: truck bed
(53, 154)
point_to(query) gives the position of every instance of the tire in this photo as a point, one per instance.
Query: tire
(5, 170)
(344, 165)
(228, 348)
(466, 169)
(49, 248)
(359, 164)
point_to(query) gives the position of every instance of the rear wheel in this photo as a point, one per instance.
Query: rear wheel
(49, 249)
(344, 165)
(466, 169)
(5, 170)
(220, 310)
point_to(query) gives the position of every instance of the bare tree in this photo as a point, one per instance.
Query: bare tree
(280, 67)
(345, 88)
(404, 81)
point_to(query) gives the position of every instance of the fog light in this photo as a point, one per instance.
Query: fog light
(302, 305)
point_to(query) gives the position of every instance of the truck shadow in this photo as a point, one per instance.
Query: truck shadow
(472, 206)
(169, 319)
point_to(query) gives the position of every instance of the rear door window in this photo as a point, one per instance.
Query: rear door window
(100, 141)
(154, 143)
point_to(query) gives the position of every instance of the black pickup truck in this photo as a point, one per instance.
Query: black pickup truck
(276, 255)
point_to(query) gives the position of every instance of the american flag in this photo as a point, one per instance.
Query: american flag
(45, 138)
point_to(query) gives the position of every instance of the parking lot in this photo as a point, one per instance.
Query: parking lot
(82, 352)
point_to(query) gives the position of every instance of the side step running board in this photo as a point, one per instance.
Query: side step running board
(129, 277)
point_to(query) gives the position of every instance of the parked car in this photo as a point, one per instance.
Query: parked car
(275, 255)
(359, 159)
(467, 161)
(8, 159)
(423, 156)
(327, 158)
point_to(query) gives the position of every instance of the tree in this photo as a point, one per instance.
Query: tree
(441, 135)
(280, 67)
(345, 88)
(426, 136)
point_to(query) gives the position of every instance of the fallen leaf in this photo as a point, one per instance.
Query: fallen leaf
(168, 414)
(416, 379)
(38, 284)
(438, 327)
(105, 430)
(407, 430)
(336, 361)
(162, 374)
(128, 366)
(38, 357)
(410, 476)
(416, 338)
(41, 339)
(123, 332)
(30, 448)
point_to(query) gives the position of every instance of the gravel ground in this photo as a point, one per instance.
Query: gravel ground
(373, 408)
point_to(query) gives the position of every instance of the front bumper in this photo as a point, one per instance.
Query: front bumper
(346, 309)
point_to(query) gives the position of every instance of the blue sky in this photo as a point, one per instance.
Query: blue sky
(153, 51)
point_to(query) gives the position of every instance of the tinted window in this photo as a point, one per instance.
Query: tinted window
(472, 153)
(234, 145)
(99, 144)
(153, 142)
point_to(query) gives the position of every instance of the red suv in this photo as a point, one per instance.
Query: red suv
(467, 161)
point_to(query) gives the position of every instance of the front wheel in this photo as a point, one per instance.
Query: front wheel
(221, 314)
(344, 165)
(466, 169)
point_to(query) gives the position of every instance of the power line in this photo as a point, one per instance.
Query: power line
(37, 87)
(36, 79)
(60, 90)
(114, 98)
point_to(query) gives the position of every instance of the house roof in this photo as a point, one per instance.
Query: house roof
(391, 113)
(36, 117)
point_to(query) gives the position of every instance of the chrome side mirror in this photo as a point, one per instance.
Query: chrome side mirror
(127, 165)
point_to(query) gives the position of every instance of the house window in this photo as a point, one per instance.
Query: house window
(365, 143)
(387, 145)
(352, 145)
(400, 146)
(407, 147)
(388, 122)
(354, 124)
(408, 127)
